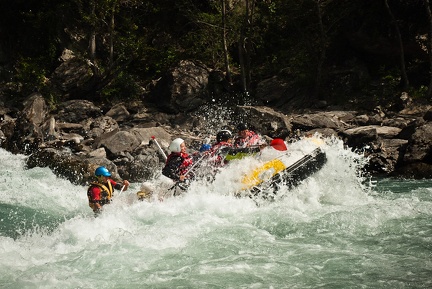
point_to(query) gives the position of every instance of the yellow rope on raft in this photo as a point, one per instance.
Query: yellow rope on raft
(263, 173)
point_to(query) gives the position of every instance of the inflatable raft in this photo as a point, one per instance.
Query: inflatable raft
(261, 180)
(265, 181)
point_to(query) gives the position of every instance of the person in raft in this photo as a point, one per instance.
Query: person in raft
(101, 192)
(224, 151)
(221, 147)
(178, 162)
(246, 137)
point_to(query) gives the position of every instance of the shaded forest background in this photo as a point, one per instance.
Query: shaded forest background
(362, 53)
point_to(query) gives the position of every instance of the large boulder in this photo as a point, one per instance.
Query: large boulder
(310, 121)
(25, 133)
(420, 145)
(35, 109)
(63, 163)
(182, 89)
(385, 156)
(265, 120)
(77, 110)
(129, 140)
(360, 137)
(70, 75)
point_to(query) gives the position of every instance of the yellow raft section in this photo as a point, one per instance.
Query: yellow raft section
(269, 169)
(263, 173)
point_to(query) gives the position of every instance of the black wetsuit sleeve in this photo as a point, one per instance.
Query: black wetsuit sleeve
(172, 168)
(115, 185)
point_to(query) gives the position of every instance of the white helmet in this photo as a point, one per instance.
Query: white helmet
(175, 145)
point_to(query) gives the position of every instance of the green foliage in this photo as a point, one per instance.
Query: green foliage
(419, 93)
(31, 74)
(159, 61)
(123, 87)
(51, 100)
(204, 42)
(284, 38)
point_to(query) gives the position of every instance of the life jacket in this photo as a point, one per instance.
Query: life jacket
(186, 163)
(219, 151)
(177, 164)
(251, 139)
(105, 194)
(220, 146)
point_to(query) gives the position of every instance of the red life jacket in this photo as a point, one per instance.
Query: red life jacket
(100, 193)
(217, 152)
(251, 139)
(177, 164)
(216, 147)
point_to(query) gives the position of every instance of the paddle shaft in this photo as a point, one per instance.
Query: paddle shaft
(194, 165)
(121, 191)
(161, 150)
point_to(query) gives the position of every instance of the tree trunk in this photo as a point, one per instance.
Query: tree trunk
(92, 40)
(225, 47)
(111, 45)
(429, 47)
(322, 54)
(404, 76)
(250, 7)
(242, 52)
(245, 47)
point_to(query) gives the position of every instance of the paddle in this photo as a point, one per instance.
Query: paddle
(278, 144)
(121, 191)
(161, 150)
(183, 185)
(195, 164)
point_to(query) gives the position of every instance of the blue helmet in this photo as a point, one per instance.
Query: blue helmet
(102, 171)
(205, 147)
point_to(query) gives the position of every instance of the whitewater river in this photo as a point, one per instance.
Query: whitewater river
(336, 230)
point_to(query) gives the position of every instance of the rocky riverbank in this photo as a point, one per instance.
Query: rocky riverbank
(77, 136)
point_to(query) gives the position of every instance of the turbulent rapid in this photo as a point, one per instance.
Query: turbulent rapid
(337, 229)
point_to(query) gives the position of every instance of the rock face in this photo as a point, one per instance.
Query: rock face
(77, 136)
(183, 89)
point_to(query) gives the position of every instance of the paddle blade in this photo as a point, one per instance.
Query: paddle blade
(278, 144)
